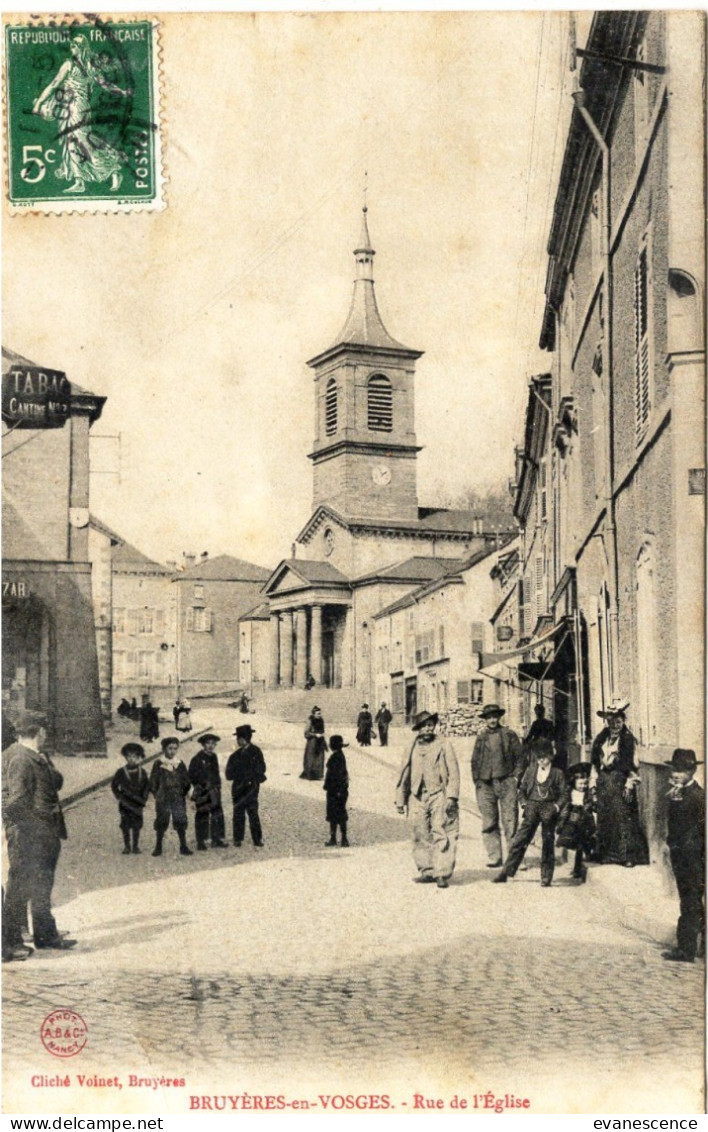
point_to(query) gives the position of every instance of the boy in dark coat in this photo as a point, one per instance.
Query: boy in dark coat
(578, 830)
(169, 782)
(686, 840)
(205, 776)
(336, 783)
(246, 770)
(131, 788)
(544, 796)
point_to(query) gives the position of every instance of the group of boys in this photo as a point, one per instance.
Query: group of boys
(170, 782)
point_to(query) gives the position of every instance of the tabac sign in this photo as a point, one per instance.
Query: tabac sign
(35, 397)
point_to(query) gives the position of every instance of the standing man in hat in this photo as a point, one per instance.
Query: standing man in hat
(35, 830)
(429, 787)
(336, 784)
(383, 722)
(686, 840)
(497, 766)
(205, 777)
(246, 770)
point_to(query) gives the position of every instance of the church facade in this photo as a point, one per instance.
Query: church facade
(367, 542)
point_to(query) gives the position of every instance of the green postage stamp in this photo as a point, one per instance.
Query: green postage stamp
(82, 114)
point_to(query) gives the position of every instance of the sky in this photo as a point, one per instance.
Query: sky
(196, 322)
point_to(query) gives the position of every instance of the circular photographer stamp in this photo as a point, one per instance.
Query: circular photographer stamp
(64, 1032)
(82, 114)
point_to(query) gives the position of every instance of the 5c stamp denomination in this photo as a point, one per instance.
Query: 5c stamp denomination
(82, 114)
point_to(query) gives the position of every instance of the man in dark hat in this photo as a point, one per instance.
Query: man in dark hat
(336, 784)
(35, 830)
(544, 797)
(429, 787)
(205, 777)
(383, 722)
(246, 770)
(497, 766)
(685, 836)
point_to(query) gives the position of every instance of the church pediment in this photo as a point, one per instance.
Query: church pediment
(296, 575)
(319, 517)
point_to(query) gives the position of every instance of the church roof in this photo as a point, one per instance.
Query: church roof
(260, 612)
(309, 572)
(224, 568)
(364, 328)
(418, 568)
(430, 521)
(453, 577)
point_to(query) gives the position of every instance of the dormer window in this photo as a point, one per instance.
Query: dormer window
(331, 407)
(380, 403)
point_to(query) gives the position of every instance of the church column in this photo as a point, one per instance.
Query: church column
(286, 650)
(301, 647)
(316, 643)
(274, 651)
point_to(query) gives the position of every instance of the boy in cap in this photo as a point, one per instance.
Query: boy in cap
(205, 776)
(686, 840)
(544, 798)
(336, 784)
(578, 830)
(429, 786)
(498, 763)
(246, 770)
(131, 788)
(169, 782)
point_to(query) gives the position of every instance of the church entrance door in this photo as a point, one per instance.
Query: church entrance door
(328, 658)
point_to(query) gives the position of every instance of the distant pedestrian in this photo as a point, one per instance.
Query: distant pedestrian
(383, 722)
(577, 831)
(182, 712)
(149, 722)
(364, 726)
(131, 788)
(123, 709)
(686, 840)
(205, 776)
(315, 746)
(336, 783)
(310, 682)
(246, 771)
(429, 788)
(169, 782)
(497, 766)
(544, 797)
(620, 838)
(35, 829)
(541, 728)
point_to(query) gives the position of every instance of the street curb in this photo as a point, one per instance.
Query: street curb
(86, 791)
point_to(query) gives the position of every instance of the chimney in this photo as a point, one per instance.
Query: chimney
(189, 560)
(204, 555)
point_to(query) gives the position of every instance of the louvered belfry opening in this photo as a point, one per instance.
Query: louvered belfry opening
(331, 407)
(380, 403)
(642, 359)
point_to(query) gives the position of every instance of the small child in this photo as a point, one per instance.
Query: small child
(578, 830)
(131, 788)
(686, 840)
(336, 783)
(544, 797)
(169, 782)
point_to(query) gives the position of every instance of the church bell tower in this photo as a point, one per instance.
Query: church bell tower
(364, 455)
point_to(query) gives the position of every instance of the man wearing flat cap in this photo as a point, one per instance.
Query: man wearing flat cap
(246, 770)
(205, 777)
(686, 833)
(429, 787)
(498, 763)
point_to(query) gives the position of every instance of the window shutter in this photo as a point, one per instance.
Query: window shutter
(208, 620)
(190, 620)
(380, 404)
(477, 636)
(463, 691)
(642, 354)
(331, 407)
(539, 602)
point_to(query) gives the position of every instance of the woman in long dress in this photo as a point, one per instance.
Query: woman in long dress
(86, 155)
(315, 746)
(364, 726)
(183, 715)
(620, 839)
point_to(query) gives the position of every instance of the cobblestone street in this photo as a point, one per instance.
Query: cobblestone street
(314, 971)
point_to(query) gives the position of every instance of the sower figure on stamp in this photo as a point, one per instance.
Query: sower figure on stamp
(205, 776)
(246, 770)
(429, 787)
(544, 796)
(686, 832)
(131, 788)
(498, 763)
(35, 830)
(169, 782)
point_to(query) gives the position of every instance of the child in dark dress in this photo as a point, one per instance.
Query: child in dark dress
(578, 830)
(336, 784)
(131, 788)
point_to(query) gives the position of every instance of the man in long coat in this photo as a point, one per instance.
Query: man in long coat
(35, 830)
(429, 787)
(246, 770)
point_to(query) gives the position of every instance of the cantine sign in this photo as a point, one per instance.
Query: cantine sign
(35, 398)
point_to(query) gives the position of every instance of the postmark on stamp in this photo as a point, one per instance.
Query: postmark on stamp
(64, 1032)
(82, 115)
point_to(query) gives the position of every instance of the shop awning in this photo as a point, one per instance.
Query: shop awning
(487, 659)
(505, 666)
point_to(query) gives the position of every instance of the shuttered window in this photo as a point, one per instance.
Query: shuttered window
(331, 407)
(477, 636)
(380, 403)
(476, 691)
(642, 343)
(539, 587)
(463, 691)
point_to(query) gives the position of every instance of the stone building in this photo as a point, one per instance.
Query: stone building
(49, 659)
(367, 542)
(145, 645)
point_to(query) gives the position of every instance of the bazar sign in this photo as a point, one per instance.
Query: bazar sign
(35, 398)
